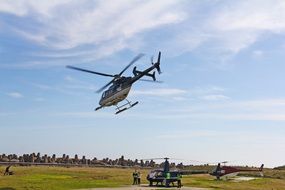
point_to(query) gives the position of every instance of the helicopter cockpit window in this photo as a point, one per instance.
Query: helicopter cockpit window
(152, 174)
(119, 87)
(159, 174)
(214, 170)
(112, 89)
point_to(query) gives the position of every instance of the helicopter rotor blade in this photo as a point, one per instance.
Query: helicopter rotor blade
(151, 59)
(152, 159)
(160, 158)
(108, 75)
(132, 62)
(88, 71)
(158, 59)
(105, 86)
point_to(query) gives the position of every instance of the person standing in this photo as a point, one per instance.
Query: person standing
(179, 176)
(139, 178)
(135, 177)
(7, 172)
(167, 180)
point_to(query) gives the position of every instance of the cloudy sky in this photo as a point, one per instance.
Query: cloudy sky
(223, 96)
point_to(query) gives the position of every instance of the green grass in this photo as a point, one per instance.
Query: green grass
(61, 178)
(206, 181)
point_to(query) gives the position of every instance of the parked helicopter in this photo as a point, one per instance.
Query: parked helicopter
(160, 175)
(166, 176)
(121, 85)
(226, 172)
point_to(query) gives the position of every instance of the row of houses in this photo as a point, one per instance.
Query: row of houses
(66, 159)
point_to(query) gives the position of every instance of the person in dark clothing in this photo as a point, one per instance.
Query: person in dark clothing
(7, 172)
(139, 178)
(179, 176)
(135, 177)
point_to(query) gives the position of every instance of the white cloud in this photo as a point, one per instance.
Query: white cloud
(65, 25)
(228, 26)
(22, 8)
(69, 79)
(91, 114)
(39, 99)
(207, 90)
(257, 53)
(252, 116)
(179, 98)
(275, 105)
(71, 86)
(190, 134)
(240, 24)
(209, 93)
(15, 95)
(41, 86)
(255, 110)
(261, 110)
(215, 97)
(251, 16)
(160, 92)
(95, 29)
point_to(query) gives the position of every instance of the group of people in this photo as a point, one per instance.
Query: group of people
(136, 178)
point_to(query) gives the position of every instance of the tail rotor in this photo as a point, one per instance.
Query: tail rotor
(261, 170)
(158, 63)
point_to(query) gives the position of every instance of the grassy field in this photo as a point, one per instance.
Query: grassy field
(61, 178)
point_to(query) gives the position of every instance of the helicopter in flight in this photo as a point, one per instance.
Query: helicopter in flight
(120, 86)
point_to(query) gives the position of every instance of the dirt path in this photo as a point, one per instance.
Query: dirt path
(146, 187)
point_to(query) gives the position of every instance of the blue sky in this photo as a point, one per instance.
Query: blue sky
(223, 95)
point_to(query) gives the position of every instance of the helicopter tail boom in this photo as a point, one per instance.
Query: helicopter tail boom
(153, 76)
(136, 72)
(146, 72)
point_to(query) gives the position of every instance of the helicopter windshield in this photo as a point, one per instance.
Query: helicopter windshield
(107, 93)
(104, 94)
(111, 90)
(214, 170)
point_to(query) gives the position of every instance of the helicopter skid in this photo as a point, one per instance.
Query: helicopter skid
(134, 104)
(98, 108)
(125, 108)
